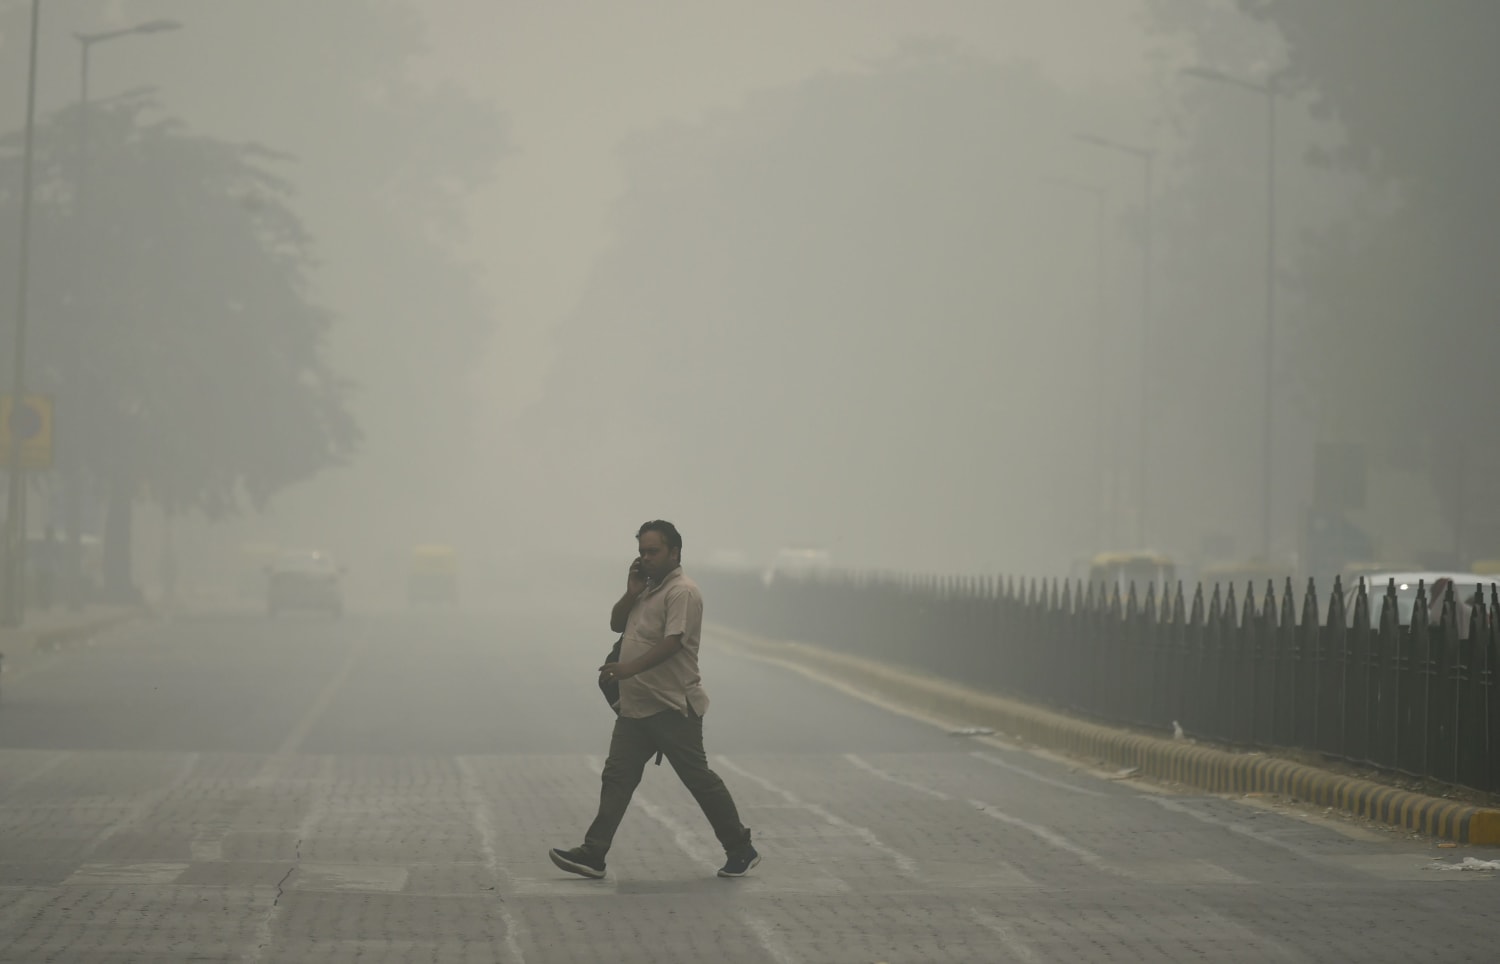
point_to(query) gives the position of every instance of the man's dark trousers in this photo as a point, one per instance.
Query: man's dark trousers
(680, 740)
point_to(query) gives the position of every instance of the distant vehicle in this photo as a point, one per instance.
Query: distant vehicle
(304, 580)
(433, 576)
(1352, 572)
(796, 562)
(252, 577)
(1241, 574)
(1377, 584)
(1487, 567)
(729, 559)
(1119, 570)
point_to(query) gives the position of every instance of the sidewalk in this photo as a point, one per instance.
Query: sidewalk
(54, 629)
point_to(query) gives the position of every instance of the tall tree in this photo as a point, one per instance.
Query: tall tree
(385, 166)
(1409, 293)
(181, 342)
(1385, 217)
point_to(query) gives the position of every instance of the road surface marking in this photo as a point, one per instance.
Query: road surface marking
(480, 814)
(904, 863)
(1038, 777)
(1017, 948)
(882, 774)
(1050, 836)
(693, 844)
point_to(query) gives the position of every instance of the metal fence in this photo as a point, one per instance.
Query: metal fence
(1253, 671)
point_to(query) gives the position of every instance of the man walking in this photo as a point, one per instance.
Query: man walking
(662, 703)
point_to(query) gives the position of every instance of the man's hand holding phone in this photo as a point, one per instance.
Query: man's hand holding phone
(635, 582)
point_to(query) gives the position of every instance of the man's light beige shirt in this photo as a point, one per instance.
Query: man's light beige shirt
(673, 606)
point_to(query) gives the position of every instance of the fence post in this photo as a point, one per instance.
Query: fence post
(1491, 714)
(1310, 661)
(1335, 675)
(1147, 659)
(1444, 666)
(1123, 679)
(1382, 691)
(1469, 722)
(1236, 671)
(1086, 653)
(1197, 676)
(1288, 664)
(1364, 676)
(1015, 634)
(1259, 629)
(1064, 622)
(1413, 679)
(1179, 657)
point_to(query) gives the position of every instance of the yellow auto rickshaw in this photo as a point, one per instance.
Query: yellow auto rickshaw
(433, 577)
(1119, 570)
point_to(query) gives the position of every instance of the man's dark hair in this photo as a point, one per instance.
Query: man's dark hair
(668, 532)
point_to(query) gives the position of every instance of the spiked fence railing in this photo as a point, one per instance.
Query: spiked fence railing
(1420, 698)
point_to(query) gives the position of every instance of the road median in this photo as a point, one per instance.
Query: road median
(1212, 769)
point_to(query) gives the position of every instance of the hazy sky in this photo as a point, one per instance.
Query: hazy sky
(573, 82)
(566, 232)
(575, 78)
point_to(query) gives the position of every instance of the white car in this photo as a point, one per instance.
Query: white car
(304, 580)
(1377, 584)
(797, 562)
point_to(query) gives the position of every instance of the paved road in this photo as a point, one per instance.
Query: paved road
(385, 787)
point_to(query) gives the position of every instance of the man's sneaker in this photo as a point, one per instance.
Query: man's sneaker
(575, 861)
(740, 862)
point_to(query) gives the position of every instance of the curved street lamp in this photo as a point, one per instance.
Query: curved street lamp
(1106, 529)
(68, 469)
(1146, 157)
(88, 40)
(1269, 91)
(13, 545)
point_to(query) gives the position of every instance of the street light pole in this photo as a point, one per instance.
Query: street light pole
(1269, 91)
(87, 40)
(1147, 157)
(1147, 331)
(1107, 519)
(14, 599)
(1268, 414)
(68, 468)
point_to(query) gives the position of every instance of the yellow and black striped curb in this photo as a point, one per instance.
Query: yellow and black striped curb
(1206, 768)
